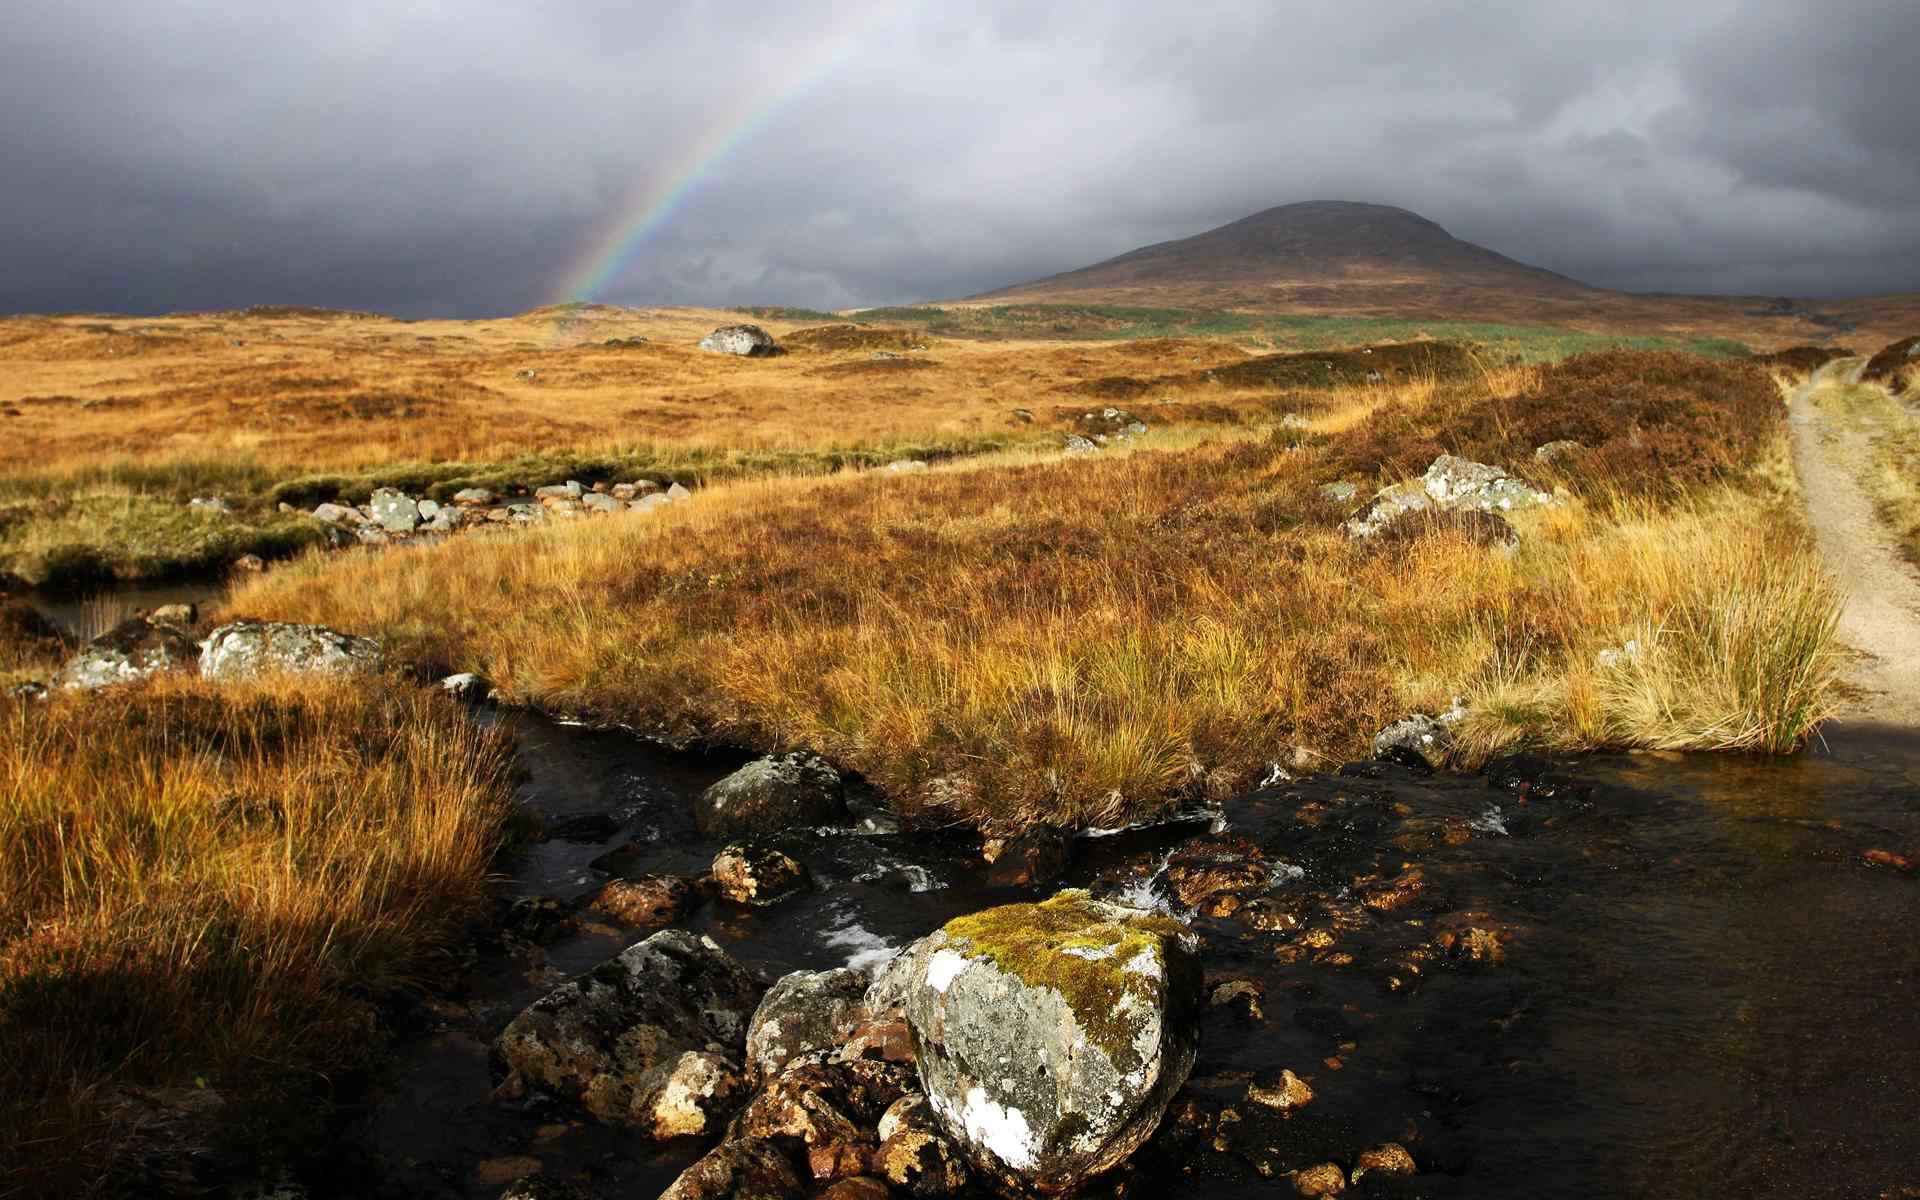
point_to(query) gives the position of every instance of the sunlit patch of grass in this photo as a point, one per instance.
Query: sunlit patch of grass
(1893, 476)
(203, 891)
(1092, 639)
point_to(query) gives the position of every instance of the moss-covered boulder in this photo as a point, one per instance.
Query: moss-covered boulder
(1051, 1036)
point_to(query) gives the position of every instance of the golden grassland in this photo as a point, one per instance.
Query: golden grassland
(1025, 637)
(203, 890)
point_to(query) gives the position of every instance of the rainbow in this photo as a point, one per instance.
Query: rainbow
(663, 192)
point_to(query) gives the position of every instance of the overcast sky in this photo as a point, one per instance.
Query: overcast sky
(468, 158)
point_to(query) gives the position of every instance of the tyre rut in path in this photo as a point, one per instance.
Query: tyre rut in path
(1881, 615)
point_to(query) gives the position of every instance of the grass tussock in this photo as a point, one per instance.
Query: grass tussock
(202, 892)
(1090, 640)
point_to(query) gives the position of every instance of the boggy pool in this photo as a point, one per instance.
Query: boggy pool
(1645, 975)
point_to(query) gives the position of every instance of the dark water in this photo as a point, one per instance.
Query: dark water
(1705, 990)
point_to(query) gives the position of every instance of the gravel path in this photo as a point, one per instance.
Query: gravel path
(1881, 617)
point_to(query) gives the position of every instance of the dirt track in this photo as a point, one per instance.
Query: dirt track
(1881, 617)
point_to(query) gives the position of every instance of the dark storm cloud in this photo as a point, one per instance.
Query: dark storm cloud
(425, 157)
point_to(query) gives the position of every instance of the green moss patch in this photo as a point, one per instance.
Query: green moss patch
(1073, 946)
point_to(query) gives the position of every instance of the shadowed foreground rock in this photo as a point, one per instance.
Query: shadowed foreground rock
(650, 1038)
(1051, 1036)
(247, 648)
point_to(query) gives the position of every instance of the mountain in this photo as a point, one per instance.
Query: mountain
(1332, 251)
(1333, 257)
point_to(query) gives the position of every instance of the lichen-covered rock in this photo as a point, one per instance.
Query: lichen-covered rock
(739, 1169)
(1077, 445)
(1324, 1180)
(394, 511)
(758, 875)
(1450, 485)
(700, 1090)
(246, 648)
(747, 341)
(772, 794)
(651, 901)
(474, 497)
(862, 1187)
(1285, 1094)
(175, 614)
(677, 492)
(132, 650)
(614, 1039)
(892, 982)
(804, 1012)
(915, 1153)
(1419, 738)
(1051, 1036)
(339, 514)
(1390, 1158)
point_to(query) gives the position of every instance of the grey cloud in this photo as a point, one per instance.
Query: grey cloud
(421, 157)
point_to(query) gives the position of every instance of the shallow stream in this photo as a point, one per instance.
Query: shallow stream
(1703, 988)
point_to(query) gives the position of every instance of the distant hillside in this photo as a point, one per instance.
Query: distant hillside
(1326, 245)
(1342, 257)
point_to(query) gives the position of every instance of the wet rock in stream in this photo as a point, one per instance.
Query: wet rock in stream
(758, 875)
(1051, 1036)
(804, 1012)
(650, 1038)
(772, 794)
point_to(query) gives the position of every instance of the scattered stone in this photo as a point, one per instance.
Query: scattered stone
(339, 514)
(1216, 873)
(1889, 859)
(804, 1012)
(526, 514)
(758, 875)
(740, 1169)
(1324, 1180)
(1287, 1094)
(248, 564)
(245, 648)
(1549, 454)
(1036, 857)
(1077, 446)
(212, 504)
(394, 511)
(1624, 656)
(474, 497)
(1420, 739)
(570, 490)
(540, 920)
(1023, 415)
(614, 1039)
(466, 686)
(902, 465)
(1450, 485)
(650, 902)
(1341, 492)
(622, 491)
(133, 650)
(772, 794)
(1051, 1036)
(1245, 993)
(678, 492)
(29, 690)
(596, 502)
(372, 535)
(1294, 421)
(747, 341)
(1388, 1159)
(648, 503)
(175, 614)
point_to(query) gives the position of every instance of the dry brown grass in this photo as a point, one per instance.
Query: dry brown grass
(1090, 640)
(300, 394)
(203, 891)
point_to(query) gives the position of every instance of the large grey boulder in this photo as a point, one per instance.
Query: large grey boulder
(652, 1037)
(246, 648)
(1051, 1036)
(748, 341)
(1419, 737)
(132, 650)
(804, 1012)
(772, 794)
(394, 511)
(1450, 485)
